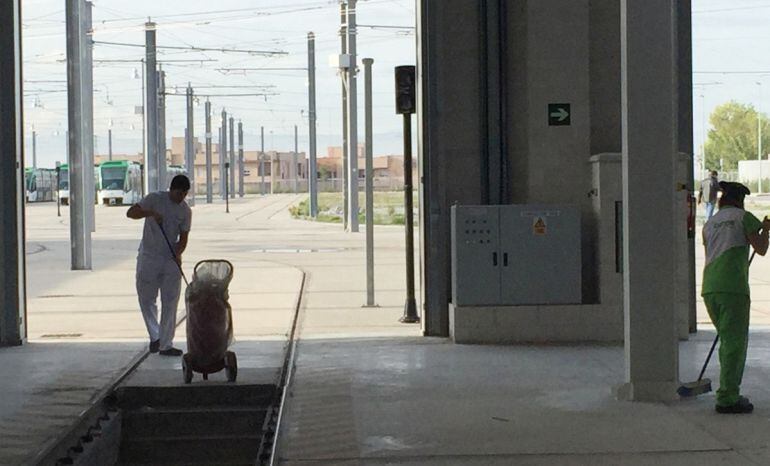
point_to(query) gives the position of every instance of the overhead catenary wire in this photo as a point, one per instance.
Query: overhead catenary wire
(196, 49)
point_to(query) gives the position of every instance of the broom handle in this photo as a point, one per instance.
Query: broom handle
(708, 358)
(173, 253)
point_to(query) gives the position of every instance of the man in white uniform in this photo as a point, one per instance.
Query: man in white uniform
(156, 267)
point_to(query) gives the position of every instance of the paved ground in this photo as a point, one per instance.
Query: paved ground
(367, 390)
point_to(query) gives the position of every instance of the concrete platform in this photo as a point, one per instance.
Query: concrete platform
(367, 389)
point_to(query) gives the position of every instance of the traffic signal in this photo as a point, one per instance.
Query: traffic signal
(405, 90)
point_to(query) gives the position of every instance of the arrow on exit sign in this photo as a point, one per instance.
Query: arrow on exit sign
(559, 115)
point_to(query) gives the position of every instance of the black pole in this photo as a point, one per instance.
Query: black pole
(410, 307)
(227, 188)
(58, 187)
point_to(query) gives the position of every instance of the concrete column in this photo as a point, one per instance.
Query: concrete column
(650, 147)
(352, 118)
(80, 172)
(684, 30)
(190, 145)
(312, 177)
(240, 159)
(34, 149)
(223, 154)
(344, 74)
(448, 130)
(88, 114)
(13, 299)
(163, 181)
(231, 159)
(209, 190)
(151, 112)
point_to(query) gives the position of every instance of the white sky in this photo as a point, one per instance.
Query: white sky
(260, 25)
(728, 36)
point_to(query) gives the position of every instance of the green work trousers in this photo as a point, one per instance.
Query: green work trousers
(730, 314)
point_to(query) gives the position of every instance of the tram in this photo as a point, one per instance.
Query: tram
(40, 184)
(120, 182)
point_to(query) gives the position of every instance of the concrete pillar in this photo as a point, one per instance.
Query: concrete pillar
(81, 171)
(222, 154)
(209, 190)
(650, 147)
(13, 313)
(231, 159)
(448, 129)
(151, 158)
(163, 181)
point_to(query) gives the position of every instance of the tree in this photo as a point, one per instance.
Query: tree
(733, 136)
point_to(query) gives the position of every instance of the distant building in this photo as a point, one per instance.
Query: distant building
(278, 166)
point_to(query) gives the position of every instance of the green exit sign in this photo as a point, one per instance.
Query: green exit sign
(559, 114)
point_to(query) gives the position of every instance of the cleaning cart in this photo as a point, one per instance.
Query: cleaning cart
(209, 322)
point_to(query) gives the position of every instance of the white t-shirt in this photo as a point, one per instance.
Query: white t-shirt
(176, 219)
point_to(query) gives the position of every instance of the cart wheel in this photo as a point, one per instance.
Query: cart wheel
(231, 366)
(187, 368)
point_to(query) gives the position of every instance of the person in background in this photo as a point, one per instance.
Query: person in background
(708, 191)
(727, 237)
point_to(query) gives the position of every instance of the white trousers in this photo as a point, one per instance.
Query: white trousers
(155, 274)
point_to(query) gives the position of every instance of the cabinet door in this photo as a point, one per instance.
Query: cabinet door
(475, 255)
(541, 257)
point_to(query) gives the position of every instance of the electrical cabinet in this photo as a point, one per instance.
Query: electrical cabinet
(516, 255)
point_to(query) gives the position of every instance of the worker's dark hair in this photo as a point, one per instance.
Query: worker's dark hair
(714, 173)
(732, 193)
(180, 182)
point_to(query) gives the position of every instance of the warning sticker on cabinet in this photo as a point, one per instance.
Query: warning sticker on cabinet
(539, 227)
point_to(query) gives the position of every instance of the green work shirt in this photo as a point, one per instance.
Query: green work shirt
(727, 251)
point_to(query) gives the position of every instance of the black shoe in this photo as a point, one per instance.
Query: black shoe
(171, 352)
(742, 406)
(154, 346)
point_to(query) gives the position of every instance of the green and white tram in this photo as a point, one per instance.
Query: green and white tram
(172, 171)
(120, 182)
(64, 183)
(40, 184)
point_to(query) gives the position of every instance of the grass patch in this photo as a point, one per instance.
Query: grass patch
(388, 208)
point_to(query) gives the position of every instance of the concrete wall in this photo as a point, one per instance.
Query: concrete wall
(552, 51)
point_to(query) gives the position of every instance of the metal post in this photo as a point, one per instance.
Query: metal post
(58, 183)
(231, 159)
(209, 190)
(759, 138)
(240, 159)
(13, 299)
(410, 307)
(151, 112)
(109, 144)
(223, 155)
(369, 182)
(88, 115)
(352, 118)
(344, 74)
(227, 198)
(294, 164)
(262, 160)
(163, 181)
(80, 228)
(312, 172)
(144, 126)
(190, 145)
(34, 149)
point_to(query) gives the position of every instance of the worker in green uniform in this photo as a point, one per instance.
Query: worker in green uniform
(727, 236)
